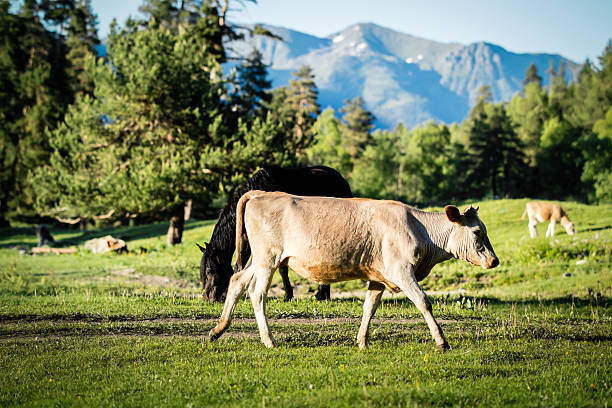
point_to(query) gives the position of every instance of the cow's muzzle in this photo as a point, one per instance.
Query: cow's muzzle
(490, 262)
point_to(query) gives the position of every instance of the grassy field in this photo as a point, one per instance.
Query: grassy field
(127, 330)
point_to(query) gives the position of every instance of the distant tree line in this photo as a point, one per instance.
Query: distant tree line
(157, 124)
(551, 142)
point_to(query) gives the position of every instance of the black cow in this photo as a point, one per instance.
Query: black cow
(216, 265)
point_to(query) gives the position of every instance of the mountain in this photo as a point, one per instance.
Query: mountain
(402, 78)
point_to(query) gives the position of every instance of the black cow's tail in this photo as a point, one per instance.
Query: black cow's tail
(240, 225)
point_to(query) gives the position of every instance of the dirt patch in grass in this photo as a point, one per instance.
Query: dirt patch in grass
(130, 275)
(237, 320)
(196, 328)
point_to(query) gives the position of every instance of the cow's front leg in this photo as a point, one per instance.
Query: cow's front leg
(550, 232)
(533, 230)
(372, 300)
(408, 284)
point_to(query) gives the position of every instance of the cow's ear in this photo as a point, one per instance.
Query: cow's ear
(470, 211)
(203, 249)
(452, 213)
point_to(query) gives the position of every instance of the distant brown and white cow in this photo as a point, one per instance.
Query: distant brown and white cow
(329, 240)
(544, 211)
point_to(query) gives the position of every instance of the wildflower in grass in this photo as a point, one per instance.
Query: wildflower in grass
(426, 357)
(50, 379)
(342, 367)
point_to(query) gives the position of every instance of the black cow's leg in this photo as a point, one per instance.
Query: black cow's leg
(323, 293)
(284, 272)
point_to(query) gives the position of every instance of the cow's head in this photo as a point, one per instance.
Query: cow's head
(468, 239)
(569, 227)
(215, 273)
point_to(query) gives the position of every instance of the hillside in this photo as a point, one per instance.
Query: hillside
(402, 78)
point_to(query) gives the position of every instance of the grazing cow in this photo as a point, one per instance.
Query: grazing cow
(326, 239)
(543, 211)
(216, 264)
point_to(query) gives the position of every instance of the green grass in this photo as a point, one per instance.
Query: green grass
(127, 330)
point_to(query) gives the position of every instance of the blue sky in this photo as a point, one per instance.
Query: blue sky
(573, 28)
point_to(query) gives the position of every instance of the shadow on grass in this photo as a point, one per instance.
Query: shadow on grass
(26, 236)
(595, 300)
(597, 228)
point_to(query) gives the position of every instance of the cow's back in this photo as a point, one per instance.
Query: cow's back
(545, 211)
(309, 181)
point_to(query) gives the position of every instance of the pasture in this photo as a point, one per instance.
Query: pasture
(128, 330)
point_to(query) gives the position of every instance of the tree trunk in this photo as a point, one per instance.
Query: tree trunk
(188, 208)
(4, 223)
(399, 178)
(177, 222)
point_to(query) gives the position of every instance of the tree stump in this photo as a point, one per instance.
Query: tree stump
(175, 231)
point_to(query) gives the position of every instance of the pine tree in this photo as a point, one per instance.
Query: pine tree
(558, 92)
(529, 111)
(57, 13)
(531, 75)
(296, 107)
(359, 123)
(208, 15)
(598, 167)
(302, 96)
(585, 102)
(496, 152)
(81, 41)
(35, 92)
(136, 148)
(252, 94)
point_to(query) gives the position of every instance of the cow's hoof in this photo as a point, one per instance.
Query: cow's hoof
(322, 296)
(212, 336)
(270, 343)
(443, 347)
(287, 298)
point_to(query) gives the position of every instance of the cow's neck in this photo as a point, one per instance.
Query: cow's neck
(438, 230)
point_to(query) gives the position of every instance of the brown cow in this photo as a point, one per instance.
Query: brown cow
(329, 240)
(544, 211)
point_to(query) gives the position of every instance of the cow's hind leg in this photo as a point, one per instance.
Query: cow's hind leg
(407, 282)
(372, 299)
(238, 284)
(284, 273)
(258, 292)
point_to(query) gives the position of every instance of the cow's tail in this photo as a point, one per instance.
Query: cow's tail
(240, 226)
(524, 214)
